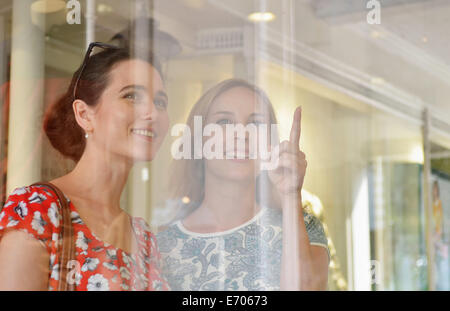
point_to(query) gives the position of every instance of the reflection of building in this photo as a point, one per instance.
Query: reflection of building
(441, 236)
(363, 89)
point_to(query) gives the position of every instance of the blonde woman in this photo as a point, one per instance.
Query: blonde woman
(243, 228)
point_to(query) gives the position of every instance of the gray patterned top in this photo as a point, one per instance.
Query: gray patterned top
(247, 257)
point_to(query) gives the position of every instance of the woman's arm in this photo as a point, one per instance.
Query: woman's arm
(24, 262)
(303, 266)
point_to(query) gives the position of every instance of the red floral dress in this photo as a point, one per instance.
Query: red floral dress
(101, 266)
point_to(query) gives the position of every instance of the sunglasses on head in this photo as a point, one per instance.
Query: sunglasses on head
(86, 58)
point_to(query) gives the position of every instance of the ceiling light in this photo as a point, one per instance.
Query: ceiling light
(47, 13)
(261, 17)
(48, 6)
(104, 8)
(377, 80)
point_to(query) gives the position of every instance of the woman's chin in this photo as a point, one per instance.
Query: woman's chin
(242, 175)
(144, 157)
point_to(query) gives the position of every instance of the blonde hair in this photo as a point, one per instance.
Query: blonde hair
(188, 176)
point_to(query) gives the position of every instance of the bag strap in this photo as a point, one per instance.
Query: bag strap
(66, 251)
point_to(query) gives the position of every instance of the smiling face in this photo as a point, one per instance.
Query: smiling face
(238, 105)
(130, 119)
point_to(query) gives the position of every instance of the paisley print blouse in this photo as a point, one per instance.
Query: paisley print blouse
(247, 257)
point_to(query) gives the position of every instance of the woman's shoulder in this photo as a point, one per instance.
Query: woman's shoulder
(33, 198)
(316, 231)
(32, 209)
(275, 215)
(314, 226)
(34, 193)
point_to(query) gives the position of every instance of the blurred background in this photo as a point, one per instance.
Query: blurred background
(375, 98)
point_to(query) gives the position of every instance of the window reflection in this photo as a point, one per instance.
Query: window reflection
(363, 89)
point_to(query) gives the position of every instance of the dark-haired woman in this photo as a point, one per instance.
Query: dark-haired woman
(112, 116)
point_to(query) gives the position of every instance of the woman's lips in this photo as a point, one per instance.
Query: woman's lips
(146, 134)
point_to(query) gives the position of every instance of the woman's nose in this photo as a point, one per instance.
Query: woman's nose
(148, 111)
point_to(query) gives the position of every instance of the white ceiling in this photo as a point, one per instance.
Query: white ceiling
(428, 28)
(412, 57)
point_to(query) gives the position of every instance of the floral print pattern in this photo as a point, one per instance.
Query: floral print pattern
(35, 210)
(244, 258)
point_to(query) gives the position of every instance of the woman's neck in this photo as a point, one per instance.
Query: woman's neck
(98, 178)
(94, 186)
(226, 204)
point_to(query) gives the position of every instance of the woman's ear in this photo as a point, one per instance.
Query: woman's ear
(83, 115)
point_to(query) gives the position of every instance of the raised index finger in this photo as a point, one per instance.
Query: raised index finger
(296, 129)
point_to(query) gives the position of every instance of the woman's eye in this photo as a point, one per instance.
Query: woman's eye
(160, 103)
(132, 96)
(256, 122)
(224, 121)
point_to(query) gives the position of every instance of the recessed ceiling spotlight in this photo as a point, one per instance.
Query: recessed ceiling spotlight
(261, 17)
(104, 8)
(48, 6)
(377, 80)
(424, 39)
(47, 13)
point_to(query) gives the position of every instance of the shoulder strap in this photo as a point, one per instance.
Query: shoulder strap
(66, 251)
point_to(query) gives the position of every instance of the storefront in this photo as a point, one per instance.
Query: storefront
(375, 123)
